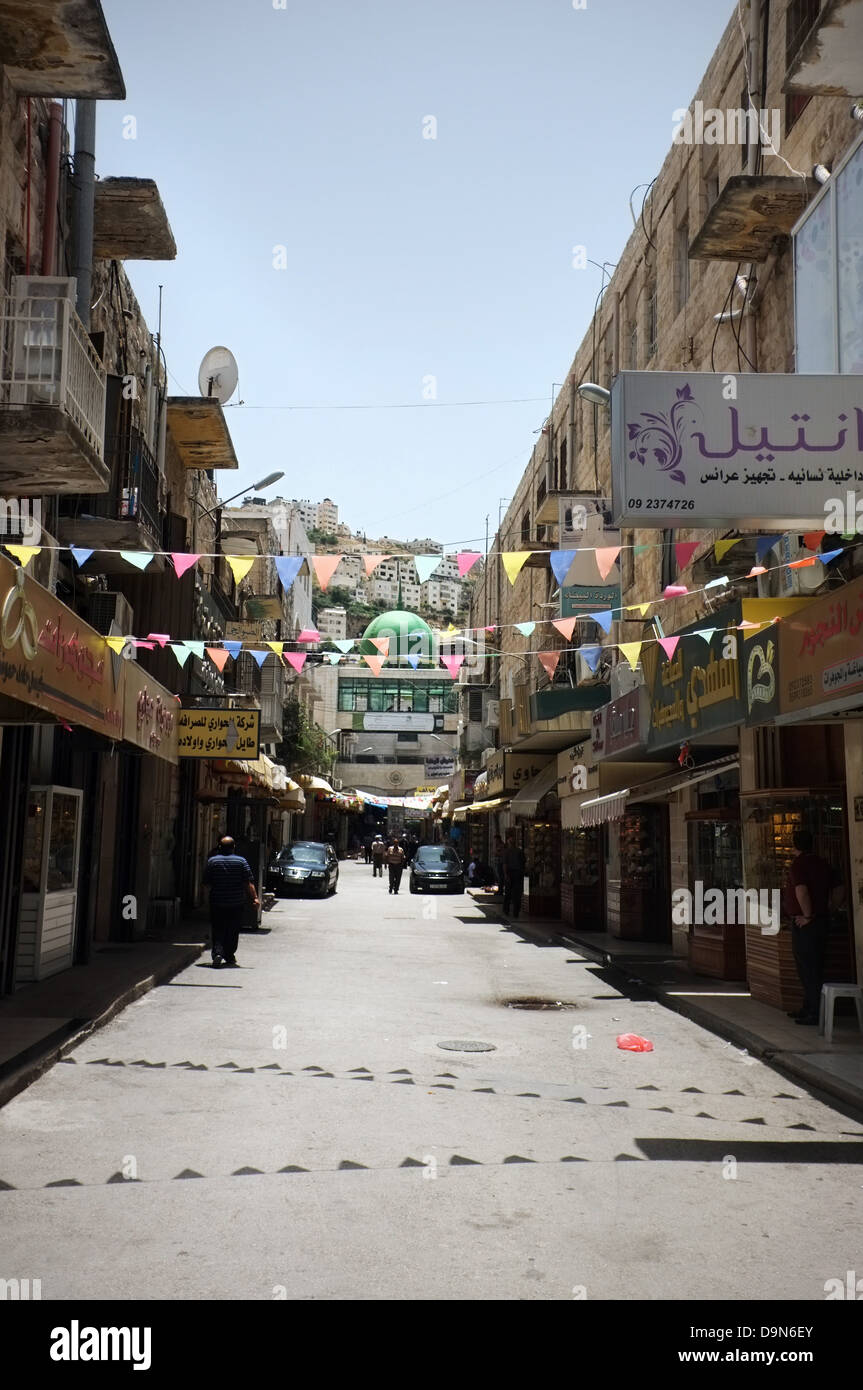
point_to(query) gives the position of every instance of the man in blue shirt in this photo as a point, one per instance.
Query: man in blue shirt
(229, 879)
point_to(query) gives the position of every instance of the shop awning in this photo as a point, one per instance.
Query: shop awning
(528, 799)
(664, 786)
(316, 784)
(481, 783)
(604, 808)
(480, 808)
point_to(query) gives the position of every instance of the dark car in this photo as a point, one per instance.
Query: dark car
(304, 867)
(436, 868)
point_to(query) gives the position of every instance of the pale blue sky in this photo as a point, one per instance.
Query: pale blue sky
(406, 257)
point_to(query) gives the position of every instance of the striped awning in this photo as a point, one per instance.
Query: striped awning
(480, 808)
(601, 809)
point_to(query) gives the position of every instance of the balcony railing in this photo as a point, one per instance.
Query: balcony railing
(47, 359)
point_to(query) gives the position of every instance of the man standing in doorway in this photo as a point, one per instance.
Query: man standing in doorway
(395, 858)
(806, 900)
(513, 876)
(229, 879)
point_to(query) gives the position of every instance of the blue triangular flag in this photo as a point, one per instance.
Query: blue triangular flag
(603, 618)
(345, 644)
(414, 661)
(234, 648)
(426, 565)
(827, 555)
(81, 554)
(288, 567)
(561, 563)
(333, 657)
(763, 545)
(705, 632)
(592, 656)
(260, 657)
(181, 651)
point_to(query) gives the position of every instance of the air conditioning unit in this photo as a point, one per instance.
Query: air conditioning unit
(105, 609)
(492, 714)
(337, 784)
(37, 345)
(781, 582)
(623, 679)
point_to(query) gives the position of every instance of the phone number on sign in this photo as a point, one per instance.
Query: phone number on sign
(662, 504)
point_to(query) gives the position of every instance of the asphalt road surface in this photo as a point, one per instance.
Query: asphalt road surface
(293, 1128)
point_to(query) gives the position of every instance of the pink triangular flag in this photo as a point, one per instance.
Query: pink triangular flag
(325, 567)
(550, 660)
(452, 664)
(466, 560)
(296, 659)
(565, 626)
(218, 656)
(183, 562)
(490, 628)
(375, 662)
(684, 551)
(371, 562)
(669, 645)
(309, 634)
(382, 644)
(160, 637)
(149, 646)
(606, 558)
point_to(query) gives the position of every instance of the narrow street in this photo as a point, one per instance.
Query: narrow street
(293, 1128)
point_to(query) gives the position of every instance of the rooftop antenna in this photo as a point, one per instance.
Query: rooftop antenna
(218, 374)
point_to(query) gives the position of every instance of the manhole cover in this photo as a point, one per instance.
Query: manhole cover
(558, 1004)
(461, 1046)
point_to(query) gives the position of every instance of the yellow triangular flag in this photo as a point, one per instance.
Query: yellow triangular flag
(116, 643)
(638, 608)
(721, 548)
(240, 566)
(24, 553)
(632, 651)
(276, 647)
(513, 562)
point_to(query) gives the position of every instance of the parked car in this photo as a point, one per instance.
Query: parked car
(304, 867)
(436, 867)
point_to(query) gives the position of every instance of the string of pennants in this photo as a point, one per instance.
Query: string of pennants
(325, 566)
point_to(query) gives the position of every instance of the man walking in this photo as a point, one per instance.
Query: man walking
(513, 876)
(378, 849)
(806, 900)
(395, 858)
(229, 879)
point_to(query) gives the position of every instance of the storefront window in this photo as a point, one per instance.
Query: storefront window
(61, 848)
(828, 276)
(34, 839)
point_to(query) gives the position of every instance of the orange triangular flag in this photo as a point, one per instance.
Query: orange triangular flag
(513, 562)
(565, 626)
(549, 661)
(325, 567)
(218, 656)
(371, 562)
(606, 558)
(375, 662)
(382, 644)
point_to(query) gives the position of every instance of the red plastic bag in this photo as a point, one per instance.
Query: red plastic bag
(631, 1042)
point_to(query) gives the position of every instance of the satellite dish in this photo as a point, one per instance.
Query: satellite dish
(218, 374)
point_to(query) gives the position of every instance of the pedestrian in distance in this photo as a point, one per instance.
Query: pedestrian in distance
(229, 878)
(367, 846)
(806, 901)
(513, 876)
(378, 851)
(395, 858)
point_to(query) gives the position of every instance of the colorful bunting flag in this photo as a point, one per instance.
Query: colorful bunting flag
(669, 645)
(371, 563)
(763, 545)
(452, 664)
(309, 634)
(233, 648)
(561, 564)
(80, 554)
(674, 590)
(705, 632)
(333, 658)
(382, 644)
(116, 643)
(287, 568)
(374, 663)
(344, 644)
(717, 583)
(813, 539)
(604, 619)
(721, 548)
(139, 558)
(513, 562)
(565, 626)
(827, 555)
(277, 647)
(325, 567)
(24, 553)
(149, 646)
(684, 551)
(183, 562)
(426, 565)
(181, 652)
(218, 656)
(638, 608)
(466, 560)
(260, 657)
(197, 649)
(802, 564)
(606, 559)
(413, 661)
(160, 637)
(592, 655)
(297, 660)
(526, 628)
(756, 570)
(549, 660)
(632, 651)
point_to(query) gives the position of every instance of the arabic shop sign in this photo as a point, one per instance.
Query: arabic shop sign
(619, 726)
(219, 733)
(760, 672)
(579, 598)
(51, 660)
(150, 718)
(760, 450)
(821, 652)
(698, 691)
(507, 772)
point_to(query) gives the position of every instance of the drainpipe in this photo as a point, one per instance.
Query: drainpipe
(52, 187)
(85, 196)
(752, 155)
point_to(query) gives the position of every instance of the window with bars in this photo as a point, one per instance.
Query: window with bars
(401, 697)
(799, 19)
(525, 528)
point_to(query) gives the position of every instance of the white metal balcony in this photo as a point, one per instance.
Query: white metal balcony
(52, 393)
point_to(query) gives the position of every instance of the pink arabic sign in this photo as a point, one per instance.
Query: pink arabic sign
(758, 450)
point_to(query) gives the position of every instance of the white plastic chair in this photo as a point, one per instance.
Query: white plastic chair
(829, 995)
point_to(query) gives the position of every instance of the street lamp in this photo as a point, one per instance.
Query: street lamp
(256, 487)
(597, 395)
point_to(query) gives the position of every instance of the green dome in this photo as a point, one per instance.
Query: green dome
(409, 635)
